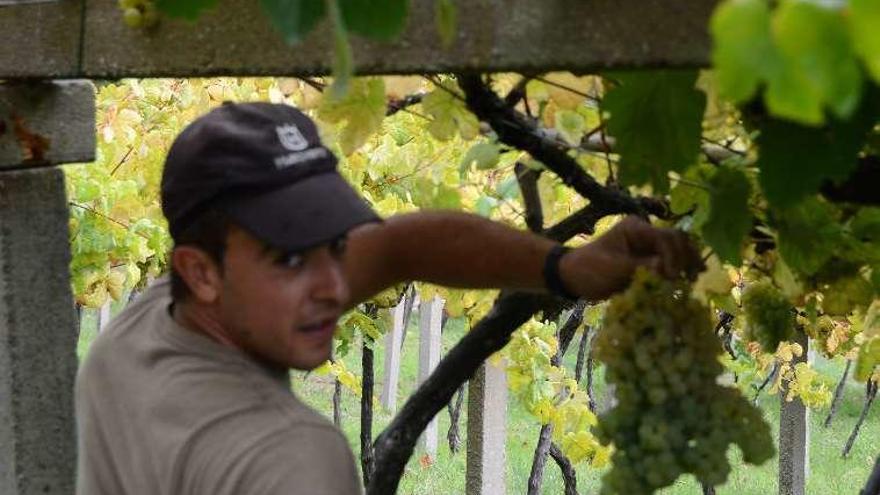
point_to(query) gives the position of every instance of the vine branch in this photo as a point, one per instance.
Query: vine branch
(516, 130)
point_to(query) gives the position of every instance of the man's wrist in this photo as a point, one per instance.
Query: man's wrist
(553, 275)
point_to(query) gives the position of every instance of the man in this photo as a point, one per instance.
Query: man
(187, 392)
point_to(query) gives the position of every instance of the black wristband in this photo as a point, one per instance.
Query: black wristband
(552, 277)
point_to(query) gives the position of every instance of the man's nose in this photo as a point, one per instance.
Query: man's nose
(328, 278)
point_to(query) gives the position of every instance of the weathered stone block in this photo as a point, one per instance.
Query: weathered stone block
(44, 123)
(37, 336)
(40, 39)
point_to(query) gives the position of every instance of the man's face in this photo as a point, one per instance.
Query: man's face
(282, 310)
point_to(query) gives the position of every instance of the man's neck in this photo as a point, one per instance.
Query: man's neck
(201, 320)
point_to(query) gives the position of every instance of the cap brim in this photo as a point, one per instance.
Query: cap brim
(305, 214)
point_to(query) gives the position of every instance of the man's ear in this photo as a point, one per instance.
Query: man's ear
(199, 271)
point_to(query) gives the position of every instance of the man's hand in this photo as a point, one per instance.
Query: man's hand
(606, 265)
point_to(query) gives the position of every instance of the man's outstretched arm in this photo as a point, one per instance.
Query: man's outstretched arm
(465, 250)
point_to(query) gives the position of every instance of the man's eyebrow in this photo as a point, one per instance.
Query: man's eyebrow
(271, 252)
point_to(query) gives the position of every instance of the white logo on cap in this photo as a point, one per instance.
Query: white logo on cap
(291, 138)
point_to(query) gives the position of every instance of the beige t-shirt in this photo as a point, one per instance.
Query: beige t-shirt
(162, 410)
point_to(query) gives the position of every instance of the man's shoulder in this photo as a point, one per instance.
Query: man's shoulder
(260, 421)
(271, 451)
(115, 345)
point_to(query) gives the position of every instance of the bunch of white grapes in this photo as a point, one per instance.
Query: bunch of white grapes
(671, 416)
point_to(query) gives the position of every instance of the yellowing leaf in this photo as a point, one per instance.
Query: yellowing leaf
(560, 86)
(362, 109)
(449, 114)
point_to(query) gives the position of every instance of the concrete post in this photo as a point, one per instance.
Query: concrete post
(103, 317)
(391, 374)
(608, 400)
(41, 124)
(38, 329)
(431, 316)
(487, 432)
(794, 436)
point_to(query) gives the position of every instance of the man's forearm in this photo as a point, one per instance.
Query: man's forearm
(446, 248)
(464, 250)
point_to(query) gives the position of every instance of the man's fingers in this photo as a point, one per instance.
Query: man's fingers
(642, 239)
(687, 258)
(668, 252)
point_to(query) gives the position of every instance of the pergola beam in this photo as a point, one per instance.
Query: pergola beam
(88, 39)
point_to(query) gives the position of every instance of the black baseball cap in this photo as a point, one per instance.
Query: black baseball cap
(265, 166)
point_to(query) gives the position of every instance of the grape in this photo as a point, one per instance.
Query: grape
(139, 13)
(133, 18)
(672, 417)
(769, 315)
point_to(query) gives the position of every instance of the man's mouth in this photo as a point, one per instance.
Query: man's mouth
(322, 327)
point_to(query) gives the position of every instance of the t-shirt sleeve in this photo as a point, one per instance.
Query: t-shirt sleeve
(303, 460)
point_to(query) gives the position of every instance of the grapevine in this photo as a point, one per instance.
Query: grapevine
(672, 417)
(550, 394)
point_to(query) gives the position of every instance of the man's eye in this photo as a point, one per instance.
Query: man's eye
(291, 260)
(337, 247)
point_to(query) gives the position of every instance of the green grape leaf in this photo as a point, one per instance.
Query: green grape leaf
(790, 96)
(484, 155)
(868, 360)
(729, 218)
(692, 194)
(187, 9)
(865, 225)
(446, 20)
(343, 61)
(656, 118)
(362, 108)
(786, 280)
(846, 294)
(449, 115)
(869, 353)
(808, 234)
(571, 126)
(378, 19)
(486, 205)
(815, 41)
(293, 18)
(447, 197)
(508, 188)
(809, 154)
(743, 53)
(863, 21)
